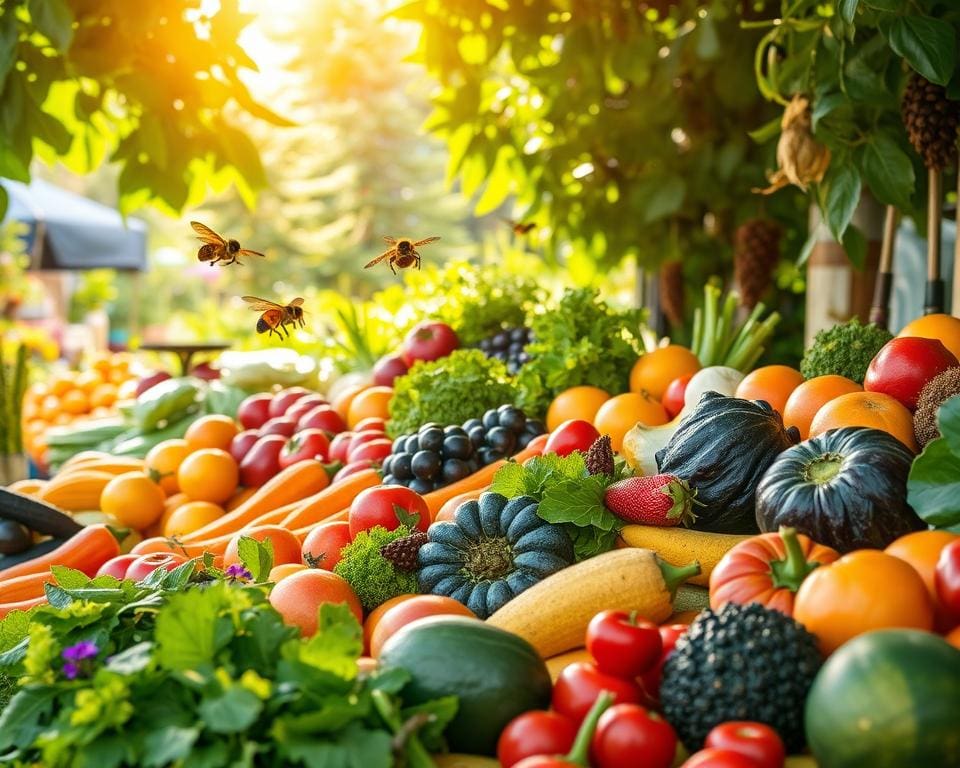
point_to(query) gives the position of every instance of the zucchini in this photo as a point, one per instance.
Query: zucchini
(36, 515)
(86, 433)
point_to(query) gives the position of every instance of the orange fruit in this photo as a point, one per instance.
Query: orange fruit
(575, 403)
(654, 371)
(620, 414)
(298, 597)
(61, 384)
(105, 394)
(283, 570)
(773, 383)
(50, 407)
(89, 381)
(922, 550)
(946, 328)
(75, 402)
(208, 475)
(286, 545)
(190, 517)
(811, 396)
(341, 403)
(866, 409)
(133, 499)
(163, 461)
(406, 611)
(372, 403)
(373, 618)
(213, 431)
(953, 637)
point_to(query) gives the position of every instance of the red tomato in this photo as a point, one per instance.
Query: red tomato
(144, 565)
(673, 395)
(242, 443)
(117, 566)
(535, 733)
(262, 461)
(718, 758)
(359, 438)
(384, 505)
(629, 735)
(947, 578)
(371, 422)
(669, 634)
(380, 627)
(323, 417)
(545, 761)
(304, 405)
(578, 686)
(339, 446)
(375, 450)
(321, 547)
(352, 468)
(285, 398)
(306, 444)
(904, 365)
(572, 435)
(429, 341)
(623, 644)
(279, 425)
(254, 410)
(387, 369)
(757, 741)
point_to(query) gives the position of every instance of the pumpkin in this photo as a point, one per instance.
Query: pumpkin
(846, 488)
(722, 448)
(493, 550)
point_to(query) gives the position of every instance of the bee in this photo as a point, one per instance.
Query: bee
(403, 253)
(215, 248)
(276, 316)
(520, 227)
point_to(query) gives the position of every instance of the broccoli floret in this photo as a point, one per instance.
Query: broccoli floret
(371, 575)
(844, 350)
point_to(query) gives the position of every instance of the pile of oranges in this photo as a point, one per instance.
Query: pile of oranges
(69, 396)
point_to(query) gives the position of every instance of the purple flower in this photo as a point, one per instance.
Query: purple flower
(70, 670)
(85, 649)
(238, 573)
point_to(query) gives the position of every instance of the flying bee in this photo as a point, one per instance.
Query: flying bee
(276, 316)
(215, 248)
(403, 253)
(520, 227)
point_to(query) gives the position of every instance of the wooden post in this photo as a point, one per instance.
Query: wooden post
(880, 310)
(933, 298)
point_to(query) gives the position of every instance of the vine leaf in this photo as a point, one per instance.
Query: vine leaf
(927, 44)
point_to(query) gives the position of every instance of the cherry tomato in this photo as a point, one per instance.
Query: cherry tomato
(374, 450)
(340, 446)
(719, 758)
(579, 684)
(323, 417)
(623, 644)
(144, 565)
(757, 741)
(669, 634)
(673, 396)
(385, 505)
(305, 444)
(629, 735)
(572, 435)
(947, 578)
(545, 761)
(284, 400)
(352, 468)
(242, 443)
(535, 733)
(262, 461)
(117, 566)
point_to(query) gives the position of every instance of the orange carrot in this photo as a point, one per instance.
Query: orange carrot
(322, 505)
(451, 504)
(22, 605)
(24, 587)
(86, 551)
(342, 516)
(296, 482)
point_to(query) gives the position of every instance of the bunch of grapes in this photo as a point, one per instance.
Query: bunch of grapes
(437, 456)
(508, 345)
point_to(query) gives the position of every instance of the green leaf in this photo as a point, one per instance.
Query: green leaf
(168, 745)
(847, 9)
(766, 131)
(69, 578)
(22, 718)
(233, 711)
(855, 246)
(948, 422)
(4, 202)
(933, 487)
(14, 628)
(106, 751)
(190, 631)
(579, 502)
(590, 542)
(532, 478)
(256, 556)
(57, 597)
(263, 633)
(54, 19)
(928, 45)
(824, 105)
(337, 644)
(352, 747)
(134, 659)
(441, 712)
(887, 171)
(841, 197)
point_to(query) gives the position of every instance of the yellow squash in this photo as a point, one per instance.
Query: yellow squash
(681, 545)
(76, 491)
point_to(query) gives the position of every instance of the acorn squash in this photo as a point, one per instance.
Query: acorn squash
(722, 448)
(846, 488)
(493, 550)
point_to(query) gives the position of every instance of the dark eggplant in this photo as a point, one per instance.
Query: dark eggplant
(36, 515)
(43, 548)
(14, 538)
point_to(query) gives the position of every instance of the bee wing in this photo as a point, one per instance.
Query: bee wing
(206, 234)
(424, 242)
(390, 240)
(248, 252)
(379, 258)
(261, 305)
(297, 302)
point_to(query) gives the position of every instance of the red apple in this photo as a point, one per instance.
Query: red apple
(116, 566)
(904, 365)
(322, 417)
(359, 438)
(144, 565)
(373, 450)
(254, 411)
(353, 468)
(205, 371)
(282, 401)
(242, 442)
(340, 447)
(387, 369)
(279, 425)
(429, 341)
(371, 422)
(262, 461)
(304, 405)
(151, 381)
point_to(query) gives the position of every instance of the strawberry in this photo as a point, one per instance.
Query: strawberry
(663, 500)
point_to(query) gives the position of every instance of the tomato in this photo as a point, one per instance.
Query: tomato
(623, 644)
(719, 758)
(242, 443)
(279, 425)
(629, 735)
(354, 467)
(372, 423)
(144, 565)
(306, 444)
(757, 741)
(415, 607)
(262, 461)
(387, 369)
(429, 341)
(282, 400)
(535, 733)
(669, 634)
(254, 411)
(385, 505)
(303, 406)
(321, 547)
(947, 579)
(579, 684)
(375, 450)
(117, 566)
(673, 396)
(360, 438)
(339, 447)
(570, 436)
(323, 417)
(904, 365)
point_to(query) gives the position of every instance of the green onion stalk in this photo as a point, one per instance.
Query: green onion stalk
(717, 337)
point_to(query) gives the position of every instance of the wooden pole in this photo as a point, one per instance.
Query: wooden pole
(933, 302)
(880, 309)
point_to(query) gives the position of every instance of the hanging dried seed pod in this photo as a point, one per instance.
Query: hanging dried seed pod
(931, 120)
(756, 251)
(802, 159)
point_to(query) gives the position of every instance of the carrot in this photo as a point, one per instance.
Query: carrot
(481, 478)
(22, 605)
(451, 504)
(24, 587)
(322, 505)
(296, 482)
(85, 551)
(342, 516)
(216, 546)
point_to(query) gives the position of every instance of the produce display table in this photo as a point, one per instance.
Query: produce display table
(185, 352)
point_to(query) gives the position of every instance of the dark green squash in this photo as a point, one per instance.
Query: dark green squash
(722, 448)
(493, 550)
(846, 488)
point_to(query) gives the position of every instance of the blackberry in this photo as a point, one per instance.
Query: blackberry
(402, 553)
(745, 662)
(599, 458)
(508, 345)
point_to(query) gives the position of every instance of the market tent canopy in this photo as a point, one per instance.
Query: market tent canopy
(68, 231)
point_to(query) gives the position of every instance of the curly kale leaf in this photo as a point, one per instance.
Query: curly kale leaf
(371, 575)
(845, 349)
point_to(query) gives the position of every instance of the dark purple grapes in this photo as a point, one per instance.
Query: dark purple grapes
(425, 464)
(431, 439)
